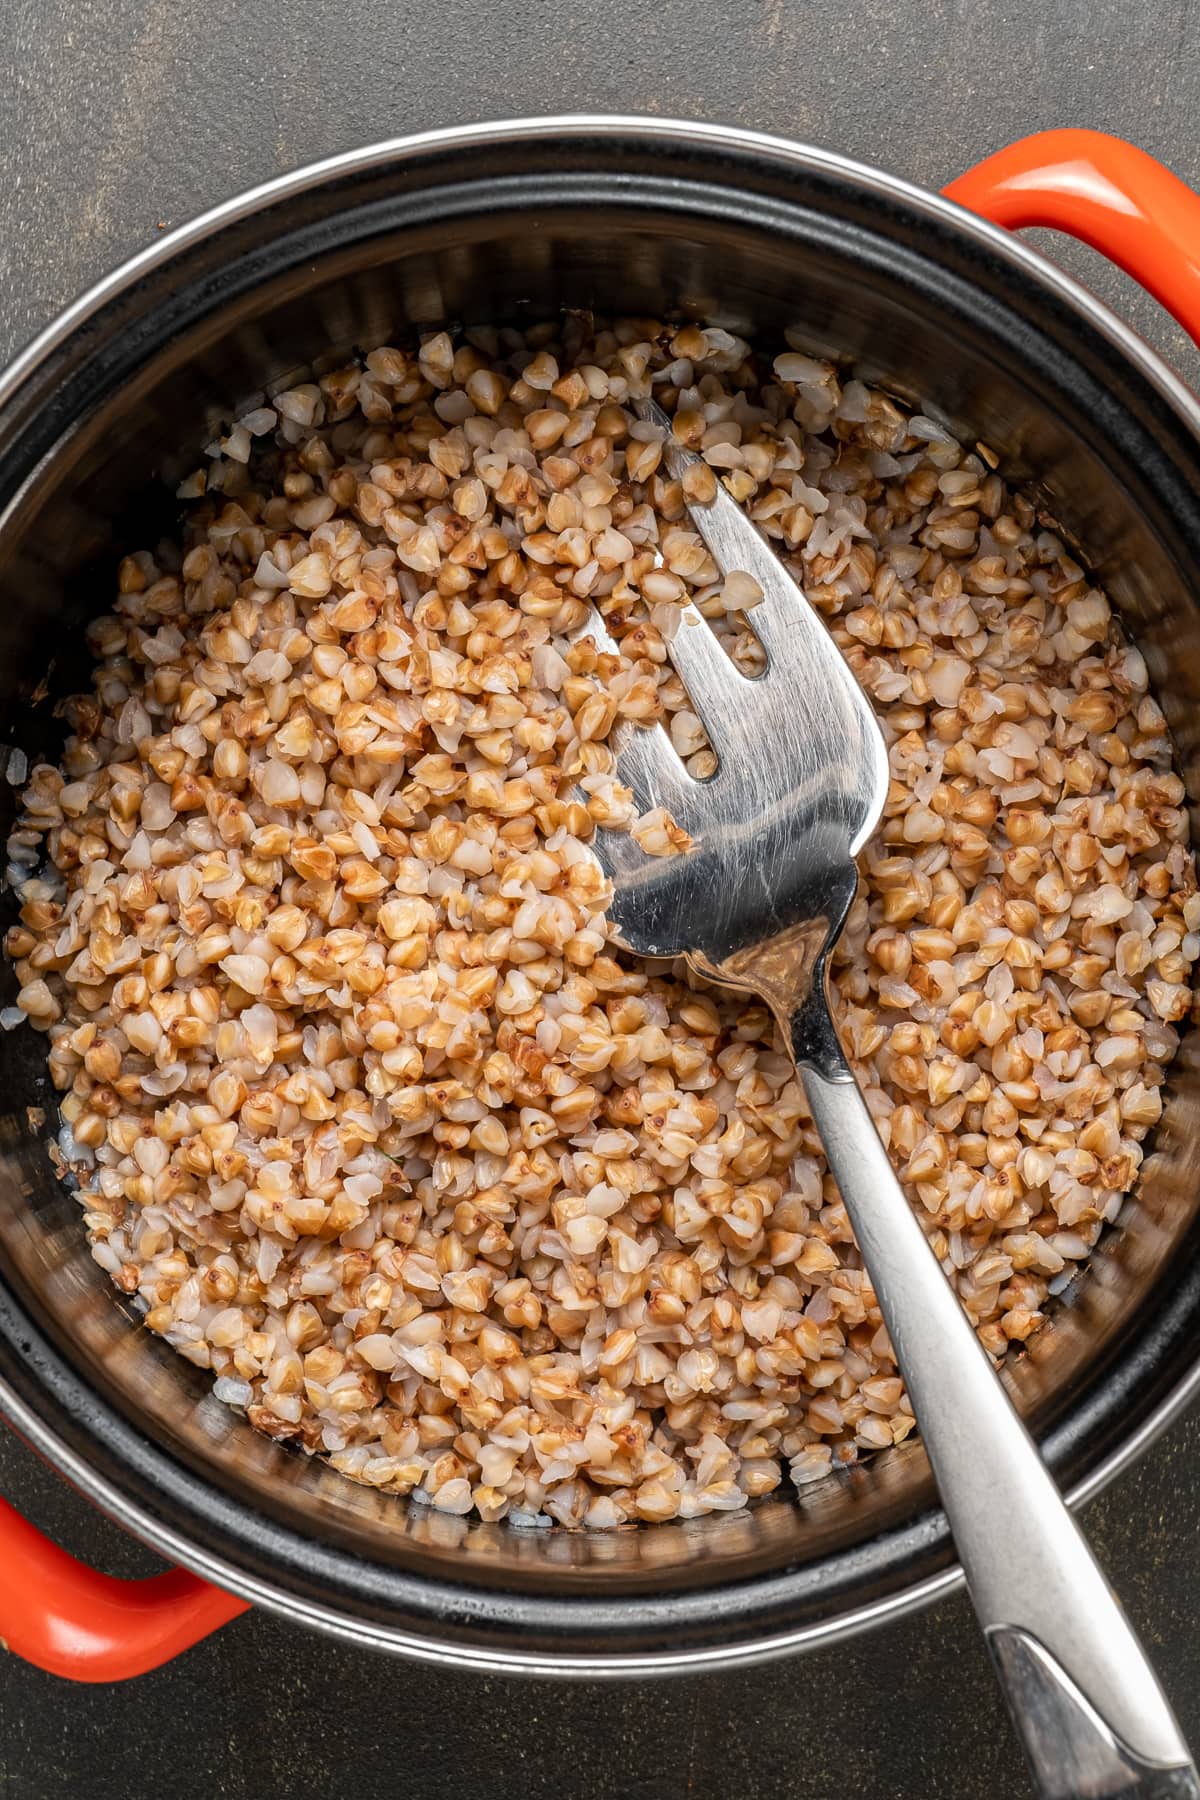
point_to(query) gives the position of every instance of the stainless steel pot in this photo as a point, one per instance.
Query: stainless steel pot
(100, 417)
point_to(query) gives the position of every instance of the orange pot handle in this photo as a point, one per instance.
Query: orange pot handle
(1106, 192)
(62, 1616)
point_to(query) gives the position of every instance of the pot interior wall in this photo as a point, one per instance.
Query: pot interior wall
(94, 442)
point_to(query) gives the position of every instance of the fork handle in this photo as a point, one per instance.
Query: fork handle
(1088, 1707)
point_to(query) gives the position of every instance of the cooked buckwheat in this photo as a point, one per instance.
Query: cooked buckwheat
(368, 1112)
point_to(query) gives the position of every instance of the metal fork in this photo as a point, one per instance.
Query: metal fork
(757, 904)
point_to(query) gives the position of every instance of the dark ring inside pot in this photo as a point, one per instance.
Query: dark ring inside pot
(98, 423)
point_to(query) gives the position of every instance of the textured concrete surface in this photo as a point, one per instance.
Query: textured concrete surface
(120, 117)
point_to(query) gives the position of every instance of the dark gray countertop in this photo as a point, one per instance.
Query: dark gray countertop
(118, 117)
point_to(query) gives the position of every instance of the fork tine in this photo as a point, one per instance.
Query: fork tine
(783, 620)
(647, 761)
(711, 677)
(649, 764)
(713, 681)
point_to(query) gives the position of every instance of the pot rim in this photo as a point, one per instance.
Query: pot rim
(998, 243)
